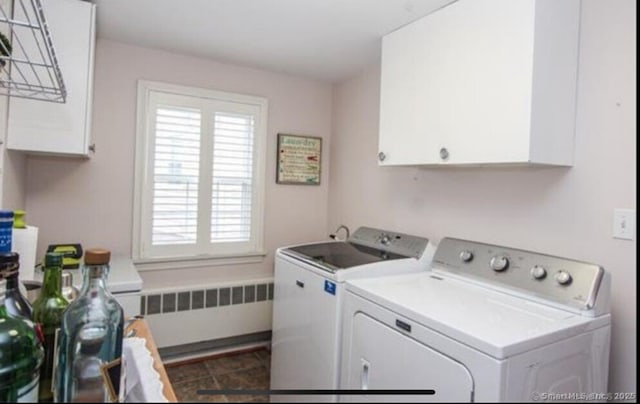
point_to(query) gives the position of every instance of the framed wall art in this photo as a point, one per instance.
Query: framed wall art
(298, 159)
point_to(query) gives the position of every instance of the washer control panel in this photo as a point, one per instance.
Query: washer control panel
(389, 241)
(561, 280)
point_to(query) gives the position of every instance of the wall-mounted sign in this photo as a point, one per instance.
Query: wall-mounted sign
(298, 159)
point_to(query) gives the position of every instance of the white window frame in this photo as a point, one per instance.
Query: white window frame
(174, 256)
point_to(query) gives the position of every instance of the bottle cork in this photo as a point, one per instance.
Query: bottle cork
(97, 256)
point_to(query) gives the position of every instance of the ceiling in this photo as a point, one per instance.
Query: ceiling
(328, 40)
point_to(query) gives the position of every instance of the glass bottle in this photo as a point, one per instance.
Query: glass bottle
(87, 384)
(21, 356)
(69, 291)
(47, 312)
(91, 333)
(16, 303)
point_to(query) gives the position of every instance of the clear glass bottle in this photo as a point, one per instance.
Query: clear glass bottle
(87, 384)
(16, 303)
(69, 291)
(91, 331)
(48, 309)
(21, 356)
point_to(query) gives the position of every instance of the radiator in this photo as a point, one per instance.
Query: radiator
(215, 312)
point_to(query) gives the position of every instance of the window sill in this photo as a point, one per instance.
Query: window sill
(159, 264)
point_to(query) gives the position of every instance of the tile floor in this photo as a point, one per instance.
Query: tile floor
(243, 371)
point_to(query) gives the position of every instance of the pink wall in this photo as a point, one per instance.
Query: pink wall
(90, 201)
(559, 211)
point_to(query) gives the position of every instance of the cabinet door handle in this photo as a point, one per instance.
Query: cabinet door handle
(300, 284)
(444, 153)
(364, 374)
(382, 156)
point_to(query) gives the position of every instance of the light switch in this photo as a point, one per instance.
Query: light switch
(624, 224)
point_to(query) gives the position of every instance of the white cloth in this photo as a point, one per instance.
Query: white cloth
(142, 381)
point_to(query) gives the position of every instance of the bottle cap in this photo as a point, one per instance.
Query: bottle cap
(53, 259)
(97, 256)
(6, 214)
(18, 219)
(9, 258)
(9, 264)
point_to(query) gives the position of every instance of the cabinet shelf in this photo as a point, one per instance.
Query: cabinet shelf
(30, 69)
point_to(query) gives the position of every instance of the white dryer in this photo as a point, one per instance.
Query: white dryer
(488, 323)
(308, 298)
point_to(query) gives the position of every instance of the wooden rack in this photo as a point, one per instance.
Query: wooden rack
(141, 329)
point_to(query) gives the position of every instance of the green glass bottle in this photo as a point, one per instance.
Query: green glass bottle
(48, 309)
(21, 356)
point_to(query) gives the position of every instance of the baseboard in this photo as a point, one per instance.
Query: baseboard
(183, 354)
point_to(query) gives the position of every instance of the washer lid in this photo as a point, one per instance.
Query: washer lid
(366, 246)
(488, 320)
(336, 256)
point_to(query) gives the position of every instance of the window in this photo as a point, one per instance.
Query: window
(199, 173)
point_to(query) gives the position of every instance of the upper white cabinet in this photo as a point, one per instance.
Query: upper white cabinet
(54, 128)
(482, 82)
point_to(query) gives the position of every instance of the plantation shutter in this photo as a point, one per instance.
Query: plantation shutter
(199, 174)
(232, 177)
(176, 176)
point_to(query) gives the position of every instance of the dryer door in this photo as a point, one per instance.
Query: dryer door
(382, 358)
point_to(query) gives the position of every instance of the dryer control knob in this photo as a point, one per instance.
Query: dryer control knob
(563, 278)
(499, 263)
(466, 256)
(538, 272)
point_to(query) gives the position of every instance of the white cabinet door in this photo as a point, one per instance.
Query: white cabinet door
(410, 121)
(481, 82)
(60, 128)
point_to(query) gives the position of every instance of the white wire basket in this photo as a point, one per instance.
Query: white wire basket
(28, 64)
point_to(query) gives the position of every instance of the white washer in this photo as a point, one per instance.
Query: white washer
(308, 295)
(488, 323)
